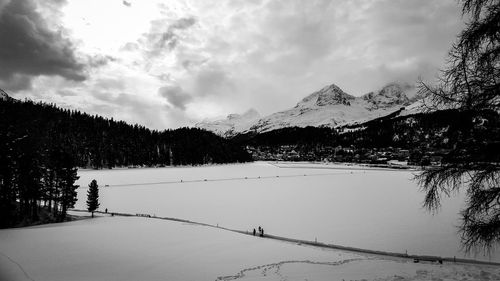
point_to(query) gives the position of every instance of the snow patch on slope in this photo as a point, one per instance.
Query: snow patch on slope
(329, 95)
(328, 107)
(232, 124)
(391, 95)
(332, 107)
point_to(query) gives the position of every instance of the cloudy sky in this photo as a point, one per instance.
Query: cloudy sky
(165, 64)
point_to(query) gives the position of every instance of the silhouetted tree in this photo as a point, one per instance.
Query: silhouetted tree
(8, 194)
(470, 84)
(41, 145)
(93, 197)
(29, 178)
(67, 175)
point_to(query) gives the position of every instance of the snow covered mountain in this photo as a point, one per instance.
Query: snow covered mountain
(233, 124)
(3, 95)
(393, 94)
(328, 107)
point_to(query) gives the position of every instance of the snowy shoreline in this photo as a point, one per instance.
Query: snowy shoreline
(342, 166)
(280, 164)
(166, 166)
(415, 258)
(341, 207)
(133, 248)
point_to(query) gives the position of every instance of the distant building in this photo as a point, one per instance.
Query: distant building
(397, 163)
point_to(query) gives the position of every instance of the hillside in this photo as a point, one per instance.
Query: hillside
(416, 138)
(97, 142)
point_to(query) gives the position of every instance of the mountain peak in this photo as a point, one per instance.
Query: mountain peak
(392, 94)
(395, 88)
(329, 95)
(330, 107)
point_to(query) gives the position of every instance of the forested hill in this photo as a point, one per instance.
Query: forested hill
(97, 142)
(415, 138)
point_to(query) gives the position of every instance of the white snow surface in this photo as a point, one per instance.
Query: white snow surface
(373, 209)
(328, 107)
(232, 124)
(132, 248)
(341, 204)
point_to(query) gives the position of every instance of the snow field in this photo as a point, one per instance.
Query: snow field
(133, 248)
(371, 209)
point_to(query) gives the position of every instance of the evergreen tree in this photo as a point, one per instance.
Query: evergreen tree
(93, 197)
(41, 144)
(471, 84)
(67, 177)
(8, 210)
(29, 178)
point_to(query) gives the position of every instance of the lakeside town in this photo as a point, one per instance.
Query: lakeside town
(390, 156)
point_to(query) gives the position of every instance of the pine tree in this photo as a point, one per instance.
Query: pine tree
(68, 176)
(471, 85)
(29, 178)
(93, 197)
(8, 210)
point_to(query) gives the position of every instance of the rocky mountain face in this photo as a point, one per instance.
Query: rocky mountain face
(394, 94)
(3, 95)
(329, 95)
(328, 107)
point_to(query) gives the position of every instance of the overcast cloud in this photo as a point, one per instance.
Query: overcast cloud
(172, 63)
(175, 96)
(29, 47)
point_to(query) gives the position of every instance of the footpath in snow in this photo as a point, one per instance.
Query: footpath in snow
(135, 248)
(415, 258)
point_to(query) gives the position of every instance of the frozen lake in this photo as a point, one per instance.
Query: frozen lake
(372, 209)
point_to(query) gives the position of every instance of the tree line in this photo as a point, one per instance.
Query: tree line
(424, 131)
(42, 145)
(37, 183)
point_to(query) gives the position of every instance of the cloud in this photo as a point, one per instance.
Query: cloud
(30, 48)
(302, 30)
(222, 56)
(212, 80)
(175, 96)
(100, 60)
(134, 109)
(129, 107)
(67, 93)
(164, 36)
(16, 82)
(130, 46)
(104, 83)
(126, 3)
(400, 40)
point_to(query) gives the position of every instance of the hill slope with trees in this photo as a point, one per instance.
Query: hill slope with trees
(42, 145)
(413, 138)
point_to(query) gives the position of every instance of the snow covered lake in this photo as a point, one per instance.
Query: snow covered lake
(132, 248)
(373, 209)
